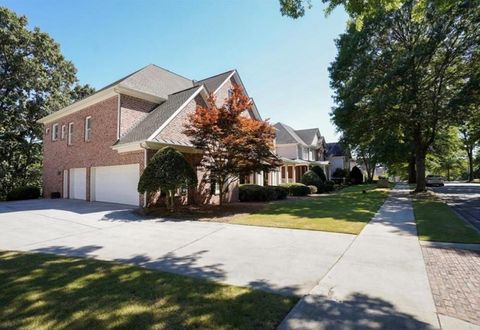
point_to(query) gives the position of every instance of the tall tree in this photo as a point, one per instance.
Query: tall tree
(35, 79)
(233, 144)
(411, 71)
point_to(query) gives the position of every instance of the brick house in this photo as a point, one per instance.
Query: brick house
(96, 149)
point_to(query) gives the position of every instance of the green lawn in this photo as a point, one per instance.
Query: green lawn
(437, 222)
(347, 211)
(40, 291)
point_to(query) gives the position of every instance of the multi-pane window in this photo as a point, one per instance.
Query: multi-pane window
(63, 131)
(70, 133)
(88, 128)
(55, 132)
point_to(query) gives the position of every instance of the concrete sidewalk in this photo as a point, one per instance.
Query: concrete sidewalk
(379, 283)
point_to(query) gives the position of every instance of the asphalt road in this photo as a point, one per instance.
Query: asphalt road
(464, 198)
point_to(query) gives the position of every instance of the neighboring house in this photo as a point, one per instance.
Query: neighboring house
(97, 148)
(338, 157)
(298, 150)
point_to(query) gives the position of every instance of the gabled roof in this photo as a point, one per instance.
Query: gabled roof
(286, 135)
(308, 135)
(335, 149)
(212, 83)
(158, 116)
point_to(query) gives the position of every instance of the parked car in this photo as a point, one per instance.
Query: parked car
(435, 181)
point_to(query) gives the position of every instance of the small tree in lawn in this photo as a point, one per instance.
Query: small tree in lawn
(356, 175)
(319, 171)
(167, 171)
(233, 144)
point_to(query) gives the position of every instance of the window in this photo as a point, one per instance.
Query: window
(63, 131)
(230, 92)
(55, 132)
(88, 128)
(70, 133)
(214, 188)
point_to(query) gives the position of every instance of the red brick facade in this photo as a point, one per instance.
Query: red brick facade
(59, 156)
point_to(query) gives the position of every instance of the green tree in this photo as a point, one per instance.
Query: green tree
(167, 171)
(35, 80)
(403, 73)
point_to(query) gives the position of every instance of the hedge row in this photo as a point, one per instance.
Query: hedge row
(27, 192)
(296, 189)
(256, 193)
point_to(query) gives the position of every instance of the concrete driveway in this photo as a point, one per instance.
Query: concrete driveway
(464, 198)
(280, 260)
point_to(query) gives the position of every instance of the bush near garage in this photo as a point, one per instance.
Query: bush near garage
(21, 193)
(257, 193)
(296, 189)
(356, 175)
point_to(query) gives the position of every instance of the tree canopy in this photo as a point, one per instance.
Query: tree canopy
(167, 171)
(396, 78)
(35, 80)
(233, 143)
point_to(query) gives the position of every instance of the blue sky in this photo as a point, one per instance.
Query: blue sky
(283, 62)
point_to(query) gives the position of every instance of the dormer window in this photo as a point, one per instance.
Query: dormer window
(55, 132)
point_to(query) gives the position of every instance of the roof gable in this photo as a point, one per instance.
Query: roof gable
(214, 82)
(286, 135)
(159, 116)
(308, 135)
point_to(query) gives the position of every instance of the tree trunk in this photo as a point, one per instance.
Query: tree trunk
(220, 188)
(448, 173)
(470, 163)
(420, 155)
(412, 173)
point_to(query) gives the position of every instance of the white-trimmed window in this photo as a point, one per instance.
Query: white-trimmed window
(88, 128)
(230, 92)
(55, 132)
(64, 131)
(70, 133)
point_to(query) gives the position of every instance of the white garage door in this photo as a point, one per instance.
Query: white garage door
(78, 183)
(116, 184)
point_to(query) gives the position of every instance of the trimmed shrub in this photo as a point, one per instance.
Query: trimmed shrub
(329, 186)
(252, 193)
(339, 173)
(356, 175)
(20, 193)
(296, 189)
(313, 189)
(319, 171)
(257, 193)
(282, 192)
(310, 178)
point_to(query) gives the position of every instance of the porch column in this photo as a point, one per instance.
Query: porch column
(294, 174)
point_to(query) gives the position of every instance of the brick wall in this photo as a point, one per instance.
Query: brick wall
(59, 156)
(132, 111)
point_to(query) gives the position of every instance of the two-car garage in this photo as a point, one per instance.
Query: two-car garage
(115, 184)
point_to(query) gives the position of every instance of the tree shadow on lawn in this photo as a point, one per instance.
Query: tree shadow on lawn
(357, 311)
(46, 291)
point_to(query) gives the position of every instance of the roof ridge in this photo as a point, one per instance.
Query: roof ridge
(158, 66)
(228, 71)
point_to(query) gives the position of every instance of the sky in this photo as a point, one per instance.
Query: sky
(283, 62)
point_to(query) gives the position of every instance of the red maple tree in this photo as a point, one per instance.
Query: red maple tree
(232, 142)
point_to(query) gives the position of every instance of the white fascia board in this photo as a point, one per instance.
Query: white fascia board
(79, 105)
(128, 147)
(139, 94)
(225, 81)
(201, 88)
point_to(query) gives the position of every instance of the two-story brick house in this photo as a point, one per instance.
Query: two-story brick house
(298, 150)
(97, 148)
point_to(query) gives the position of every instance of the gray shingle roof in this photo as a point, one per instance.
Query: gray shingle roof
(308, 135)
(145, 128)
(285, 135)
(157, 81)
(212, 83)
(335, 149)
